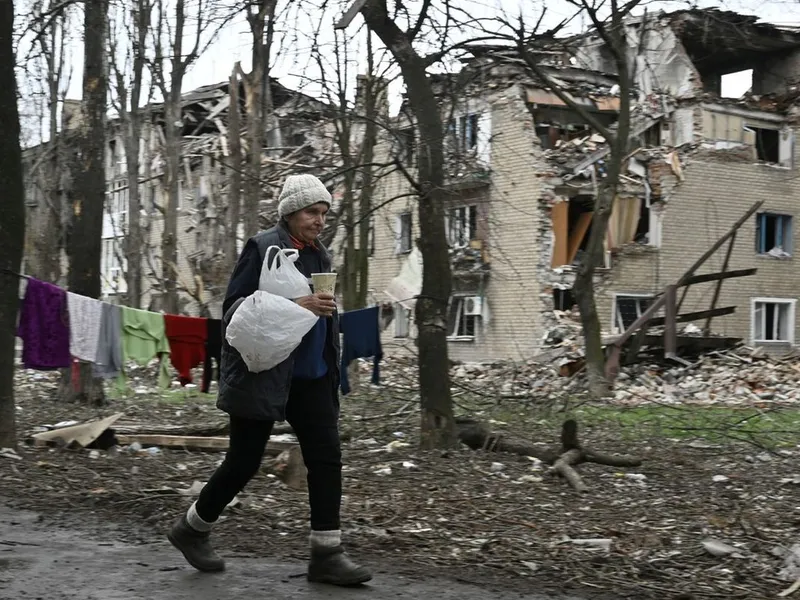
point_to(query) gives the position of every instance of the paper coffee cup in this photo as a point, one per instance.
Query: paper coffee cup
(324, 283)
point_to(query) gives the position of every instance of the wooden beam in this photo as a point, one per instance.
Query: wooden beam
(350, 14)
(695, 279)
(574, 240)
(191, 442)
(696, 316)
(559, 217)
(718, 244)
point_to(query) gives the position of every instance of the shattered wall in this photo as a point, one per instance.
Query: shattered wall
(715, 193)
(509, 326)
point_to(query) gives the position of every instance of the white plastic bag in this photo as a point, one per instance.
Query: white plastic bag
(266, 328)
(282, 277)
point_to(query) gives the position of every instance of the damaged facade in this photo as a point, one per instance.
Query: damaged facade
(300, 142)
(699, 161)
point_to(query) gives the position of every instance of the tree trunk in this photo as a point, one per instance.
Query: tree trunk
(256, 99)
(367, 181)
(134, 241)
(12, 222)
(169, 239)
(86, 228)
(438, 426)
(46, 228)
(235, 172)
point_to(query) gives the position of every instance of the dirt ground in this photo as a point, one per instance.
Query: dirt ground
(476, 518)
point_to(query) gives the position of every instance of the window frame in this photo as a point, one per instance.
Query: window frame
(791, 303)
(614, 304)
(761, 221)
(404, 236)
(452, 334)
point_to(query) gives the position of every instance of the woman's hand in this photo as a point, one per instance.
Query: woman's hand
(322, 305)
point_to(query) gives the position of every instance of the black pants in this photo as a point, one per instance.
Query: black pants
(313, 413)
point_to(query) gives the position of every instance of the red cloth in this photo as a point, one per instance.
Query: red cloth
(187, 343)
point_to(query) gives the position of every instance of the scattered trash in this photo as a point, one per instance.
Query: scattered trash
(720, 549)
(720, 478)
(9, 453)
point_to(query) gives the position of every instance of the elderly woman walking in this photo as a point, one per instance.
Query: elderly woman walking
(302, 390)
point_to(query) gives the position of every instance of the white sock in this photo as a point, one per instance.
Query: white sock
(325, 539)
(195, 522)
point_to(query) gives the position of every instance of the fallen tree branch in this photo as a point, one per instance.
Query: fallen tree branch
(562, 461)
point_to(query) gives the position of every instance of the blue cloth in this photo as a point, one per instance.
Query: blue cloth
(362, 339)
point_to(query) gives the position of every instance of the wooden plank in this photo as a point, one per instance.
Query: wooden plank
(351, 13)
(695, 279)
(696, 316)
(694, 341)
(559, 216)
(581, 227)
(192, 442)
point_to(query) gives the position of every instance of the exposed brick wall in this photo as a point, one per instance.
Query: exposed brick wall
(512, 288)
(699, 210)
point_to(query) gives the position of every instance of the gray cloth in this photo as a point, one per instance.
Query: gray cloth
(263, 396)
(301, 191)
(108, 363)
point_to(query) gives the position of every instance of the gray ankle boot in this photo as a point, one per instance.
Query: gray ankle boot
(333, 566)
(195, 546)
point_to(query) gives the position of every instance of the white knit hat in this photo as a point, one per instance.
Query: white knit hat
(301, 191)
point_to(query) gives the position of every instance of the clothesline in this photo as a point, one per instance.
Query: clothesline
(59, 327)
(109, 335)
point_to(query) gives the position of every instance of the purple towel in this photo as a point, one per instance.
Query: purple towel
(44, 327)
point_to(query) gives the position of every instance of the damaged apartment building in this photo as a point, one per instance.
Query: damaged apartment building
(297, 140)
(523, 188)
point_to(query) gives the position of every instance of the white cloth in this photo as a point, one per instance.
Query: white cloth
(301, 191)
(85, 316)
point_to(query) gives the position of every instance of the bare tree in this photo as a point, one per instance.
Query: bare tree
(87, 198)
(234, 171)
(200, 21)
(612, 32)
(45, 168)
(128, 70)
(12, 222)
(355, 135)
(438, 426)
(258, 104)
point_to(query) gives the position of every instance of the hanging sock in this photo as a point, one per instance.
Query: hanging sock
(44, 327)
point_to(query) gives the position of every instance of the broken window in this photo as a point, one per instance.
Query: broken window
(627, 309)
(462, 225)
(371, 236)
(767, 144)
(463, 318)
(774, 235)
(572, 223)
(563, 299)
(464, 131)
(403, 233)
(402, 321)
(773, 320)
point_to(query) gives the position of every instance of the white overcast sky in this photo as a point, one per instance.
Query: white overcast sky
(233, 43)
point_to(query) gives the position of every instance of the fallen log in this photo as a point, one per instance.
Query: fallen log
(210, 429)
(562, 462)
(274, 448)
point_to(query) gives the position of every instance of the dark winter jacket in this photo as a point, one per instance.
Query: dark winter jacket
(262, 396)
